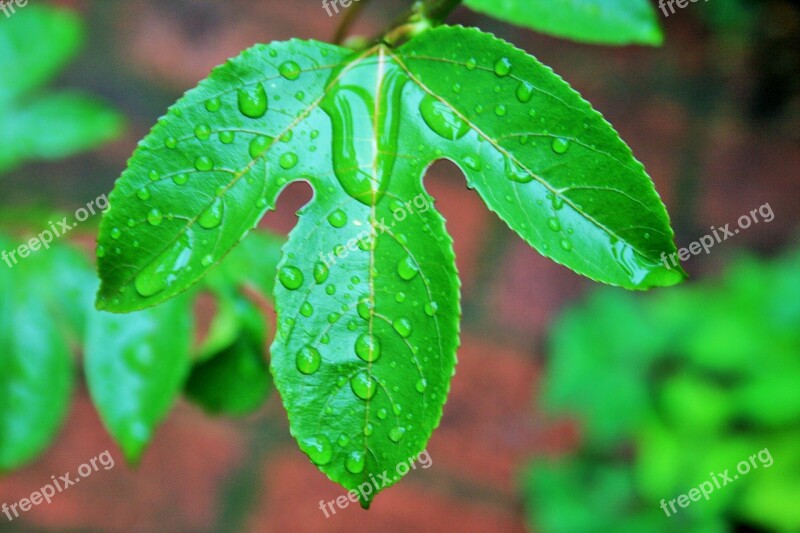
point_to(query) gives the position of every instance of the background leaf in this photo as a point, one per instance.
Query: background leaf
(614, 22)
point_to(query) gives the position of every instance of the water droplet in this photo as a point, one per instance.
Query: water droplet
(226, 137)
(318, 449)
(212, 217)
(343, 441)
(253, 103)
(355, 462)
(306, 309)
(442, 119)
(500, 110)
(333, 317)
(473, 162)
(330, 290)
(289, 70)
(180, 179)
(503, 67)
(100, 252)
(171, 143)
(143, 193)
(554, 224)
(400, 297)
(368, 429)
(116, 233)
(516, 173)
(456, 87)
(566, 245)
(153, 175)
(291, 277)
(300, 95)
(471, 63)
(396, 434)
(308, 360)
(288, 160)
(259, 145)
(320, 272)
(524, 92)
(213, 105)
(166, 268)
(368, 347)
(203, 163)
(364, 386)
(402, 326)
(431, 308)
(364, 306)
(202, 132)
(407, 268)
(421, 385)
(207, 260)
(560, 145)
(337, 219)
(382, 414)
(154, 217)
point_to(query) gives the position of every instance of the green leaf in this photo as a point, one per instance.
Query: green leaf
(35, 44)
(135, 369)
(612, 22)
(368, 302)
(35, 371)
(235, 381)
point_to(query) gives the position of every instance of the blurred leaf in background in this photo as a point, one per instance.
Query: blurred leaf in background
(35, 123)
(670, 387)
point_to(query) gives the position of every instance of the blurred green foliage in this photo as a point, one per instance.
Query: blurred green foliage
(36, 123)
(670, 387)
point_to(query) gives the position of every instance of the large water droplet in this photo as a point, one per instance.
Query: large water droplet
(368, 347)
(253, 103)
(396, 434)
(291, 277)
(165, 269)
(289, 70)
(442, 119)
(560, 145)
(355, 462)
(212, 217)
(407, 268)
(308, 360)
(402, 326)
(364, 386)
(318, 449)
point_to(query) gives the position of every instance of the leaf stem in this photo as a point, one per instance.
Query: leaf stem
(423, 15)
(438, 10)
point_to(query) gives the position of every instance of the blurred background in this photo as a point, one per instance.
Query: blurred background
(574, 407)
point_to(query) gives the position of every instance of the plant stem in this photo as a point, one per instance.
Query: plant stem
(348, 19)
(422, 15)
(438, 10)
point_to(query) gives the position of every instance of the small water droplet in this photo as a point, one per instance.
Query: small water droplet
(308, 360)
(288, 160)
(212, 217)
(364, 386)
(524, 92)
(291, 277)
(554, 224)
(500, 110)
(355, 462)
(253, 102)
(473, 162)
(364, 307)
(503, 67)
(154, 217)
(337, 219)
(431, 308)
(368, 347)
(343, 441)
(100, 252)
(203, 163)
(396, 434)
(456, 87)
(320, 272)
(171, 143)
(471, 63)
(400, 297)
(180, 179)
(289, 70)
(402, 326)
(226, 137)
(207, 260)
(382, 413)
(442, 119)
(202, 132)
(421, 385)
(407, 268)
(560, 145)
(306, 309)
(153, 175)
(116, 233)
(259, 145)
(566, 245)
(213, 105)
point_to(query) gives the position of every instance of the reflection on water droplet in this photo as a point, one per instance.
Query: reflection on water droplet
(503, 67)
(291, 277)
(253, 102)
(318, 449)
(364, 386)
(442, 118)
(212, 217)
(308, 360)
